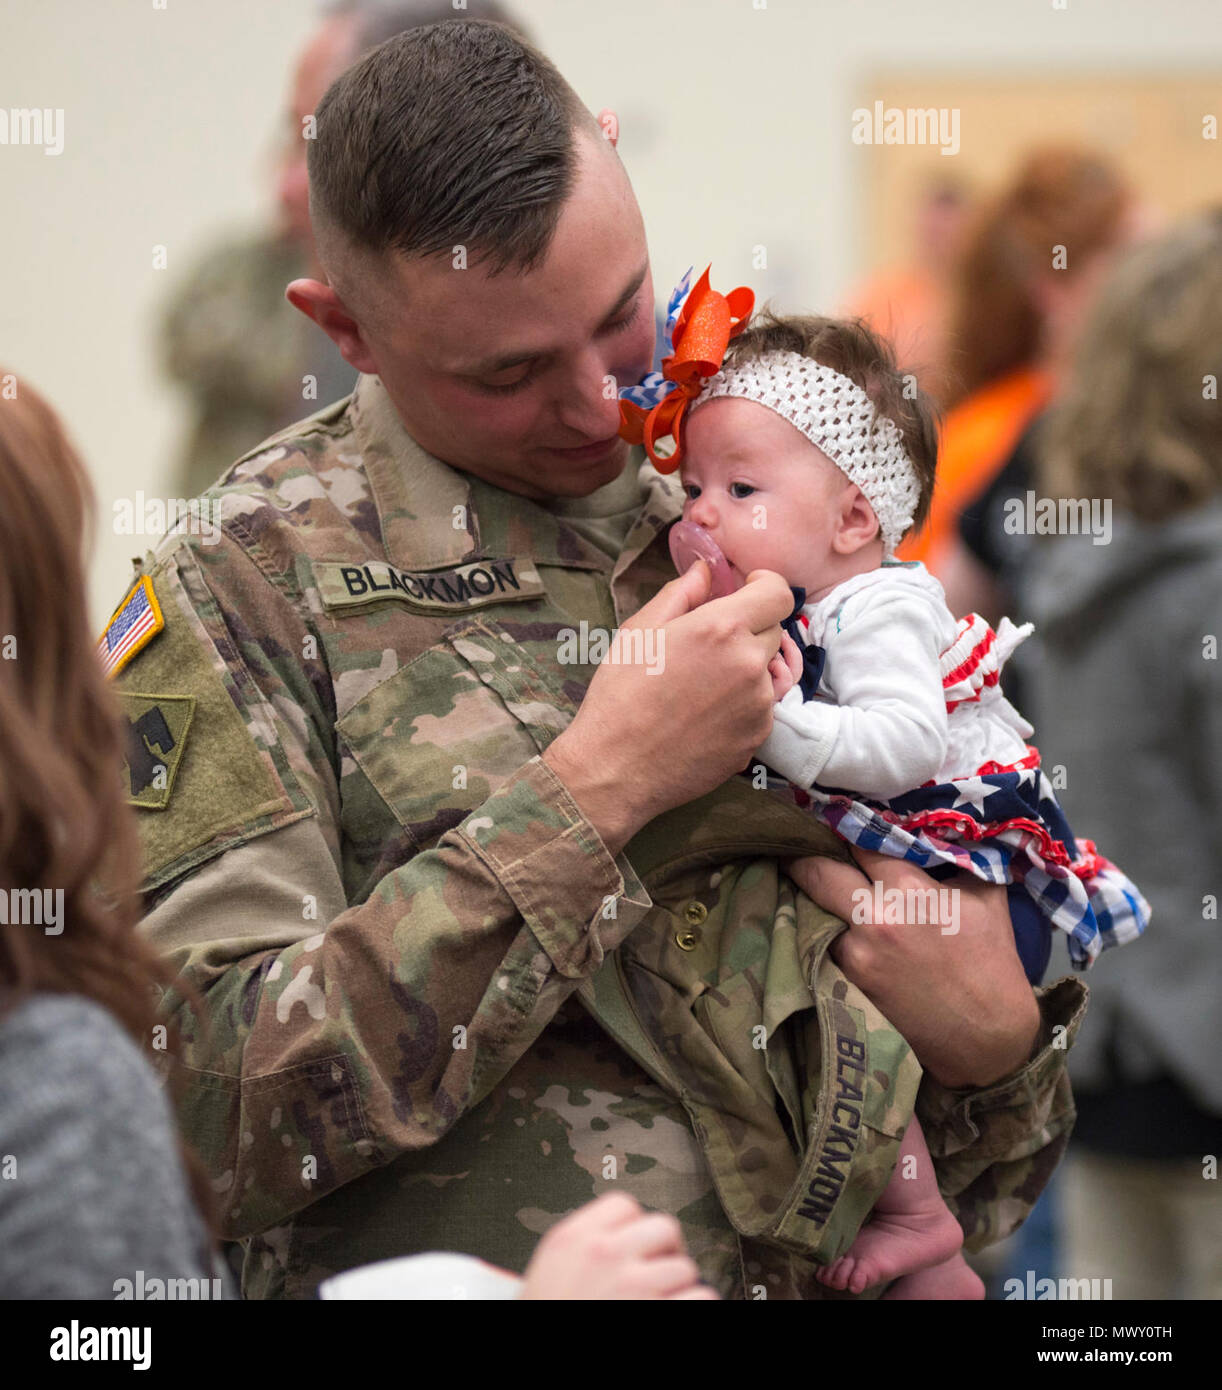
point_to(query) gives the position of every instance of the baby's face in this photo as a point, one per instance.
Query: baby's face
(762, 490)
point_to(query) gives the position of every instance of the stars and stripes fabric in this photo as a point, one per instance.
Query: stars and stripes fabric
(973, 662)
(1004, 826)
(135, 622)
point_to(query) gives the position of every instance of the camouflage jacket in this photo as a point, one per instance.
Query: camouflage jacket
(438, 1014)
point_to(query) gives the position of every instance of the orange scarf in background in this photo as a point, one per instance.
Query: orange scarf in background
(978, 436)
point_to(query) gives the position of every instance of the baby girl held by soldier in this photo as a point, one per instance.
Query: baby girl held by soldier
(810, 454)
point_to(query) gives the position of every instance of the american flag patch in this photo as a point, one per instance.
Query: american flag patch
(135, 623)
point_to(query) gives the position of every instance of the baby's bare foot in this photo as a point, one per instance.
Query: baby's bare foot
(953, 1279)
(895, 1244)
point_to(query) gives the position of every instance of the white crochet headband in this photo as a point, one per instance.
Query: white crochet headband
(837, 416)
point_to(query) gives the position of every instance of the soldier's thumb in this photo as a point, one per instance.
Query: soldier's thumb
(680, 596)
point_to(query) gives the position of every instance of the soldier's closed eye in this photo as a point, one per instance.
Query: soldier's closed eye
(618, 325)
(509, 388)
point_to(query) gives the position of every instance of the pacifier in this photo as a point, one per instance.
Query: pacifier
(689, 543)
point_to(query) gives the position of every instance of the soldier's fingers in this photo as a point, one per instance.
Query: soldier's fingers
(680, 596)
(829, 882)
(761, 603)
(701, 1291)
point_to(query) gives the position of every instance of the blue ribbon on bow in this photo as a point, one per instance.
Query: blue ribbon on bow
(653, 387)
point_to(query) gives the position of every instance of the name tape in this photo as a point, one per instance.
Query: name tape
(465, 586)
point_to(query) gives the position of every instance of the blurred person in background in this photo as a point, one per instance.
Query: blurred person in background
(1031, 263)
(104, 1187)
(249, 362)
(908, 304)
(1132, 627)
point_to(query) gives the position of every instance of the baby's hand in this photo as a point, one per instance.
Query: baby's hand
(785, 668)
(610, 1248)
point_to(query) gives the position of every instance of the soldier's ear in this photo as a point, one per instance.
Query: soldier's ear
(321, 303)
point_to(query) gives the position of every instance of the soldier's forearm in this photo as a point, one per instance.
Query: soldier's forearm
(323, 1059)
(604, 797)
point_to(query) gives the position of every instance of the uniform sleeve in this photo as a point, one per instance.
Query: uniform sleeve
(996, 1148)
(887, 731)
(321, 1039)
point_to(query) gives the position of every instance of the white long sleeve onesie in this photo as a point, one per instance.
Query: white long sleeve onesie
(888, 730)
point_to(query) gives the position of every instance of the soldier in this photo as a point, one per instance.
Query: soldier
(227, 337)
(482, 932)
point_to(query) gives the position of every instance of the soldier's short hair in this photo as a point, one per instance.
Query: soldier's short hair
(452, 134)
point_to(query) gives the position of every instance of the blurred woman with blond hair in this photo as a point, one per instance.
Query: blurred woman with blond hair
(1129, 684)
(1031, 263)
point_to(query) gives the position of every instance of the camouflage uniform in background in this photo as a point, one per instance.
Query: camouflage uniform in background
(240, 351)
(439, 1015)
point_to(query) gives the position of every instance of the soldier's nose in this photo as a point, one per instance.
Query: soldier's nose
(590, 408)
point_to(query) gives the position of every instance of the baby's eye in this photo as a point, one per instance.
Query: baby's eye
(741, 489)
(692, 491)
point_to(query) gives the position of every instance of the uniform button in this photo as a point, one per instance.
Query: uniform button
(687, 940)
(695, 913)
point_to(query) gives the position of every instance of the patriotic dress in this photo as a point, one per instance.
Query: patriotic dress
(899, 737)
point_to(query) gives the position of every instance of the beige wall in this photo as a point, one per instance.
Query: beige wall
(736, 127)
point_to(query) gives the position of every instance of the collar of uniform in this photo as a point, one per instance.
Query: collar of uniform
(420, 534)
(399, 471)
(661, 504)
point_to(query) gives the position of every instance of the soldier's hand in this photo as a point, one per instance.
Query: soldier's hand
(611, 1248)
(955, 989)
(680, 706)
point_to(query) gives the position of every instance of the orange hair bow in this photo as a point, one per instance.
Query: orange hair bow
(698, 336)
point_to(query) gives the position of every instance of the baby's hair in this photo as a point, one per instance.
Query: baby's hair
(852, 348)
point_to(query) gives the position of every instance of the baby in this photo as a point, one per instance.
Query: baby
(809, 454)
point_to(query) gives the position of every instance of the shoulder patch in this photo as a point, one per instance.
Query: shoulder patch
(157, 728)
(204, 766)
(133, 625)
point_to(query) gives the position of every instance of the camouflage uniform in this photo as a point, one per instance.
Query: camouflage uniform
(438, 1013)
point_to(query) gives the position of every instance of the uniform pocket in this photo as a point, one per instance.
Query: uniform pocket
(437, 738)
